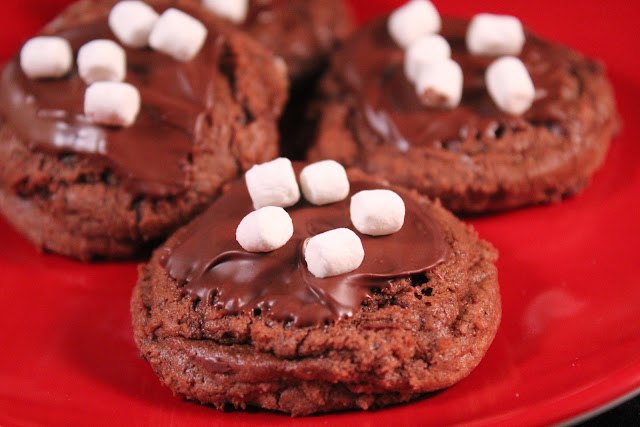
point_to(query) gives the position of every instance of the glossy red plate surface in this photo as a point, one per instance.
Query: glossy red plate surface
(570, 335)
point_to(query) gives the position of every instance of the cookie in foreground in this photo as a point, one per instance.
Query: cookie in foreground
(446, 132)
(139, 132)
(227, 327)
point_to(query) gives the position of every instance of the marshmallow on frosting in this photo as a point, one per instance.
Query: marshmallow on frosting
(178, 35)
(413, 20)
(46, 57)
(265, 230)
(440, 83)
(102, 60)
(494, 35)
(510, 85)
(377, 212)
(112, 103)
(324, 182)
(234, 10)
(333, 253)
(425, 50)
(132, 21)
(273, 184)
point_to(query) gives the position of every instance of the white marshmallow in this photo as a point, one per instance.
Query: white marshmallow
(102, 61)
(377, 212)
(440, 83)
(510, 85)
(234, 10)
(416, 18)
(46, 57)
(273, 184)
(178, 35)
(425, 50)
(494, 35)
(131, 22)
(332, 253)
(324, 182)
(265, 230)
(112, 103)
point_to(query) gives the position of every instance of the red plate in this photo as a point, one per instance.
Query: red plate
(570, 335)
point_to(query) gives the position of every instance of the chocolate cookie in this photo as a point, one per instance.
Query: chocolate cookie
(302, 32)
(474, 157)
(85, 190)
(227, 327)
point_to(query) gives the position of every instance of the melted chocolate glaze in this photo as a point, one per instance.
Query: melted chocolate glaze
(213, 268)
(151, 156)
(371, 66)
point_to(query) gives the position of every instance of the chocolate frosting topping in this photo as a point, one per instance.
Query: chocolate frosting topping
(212, 266)
(152, 155)
(372, 67)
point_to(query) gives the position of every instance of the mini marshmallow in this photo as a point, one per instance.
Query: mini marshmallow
(494, 35)
(332, 253)
(425, 50)
(377, 212)
(112, 103)
(510, 85)
(132, 22)
(46, 57)
(234, 10)
(416, 18)
(102, 61)
(440, 83)
(324, 182)
(273, 184)
(178, 35)
(265, 230)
